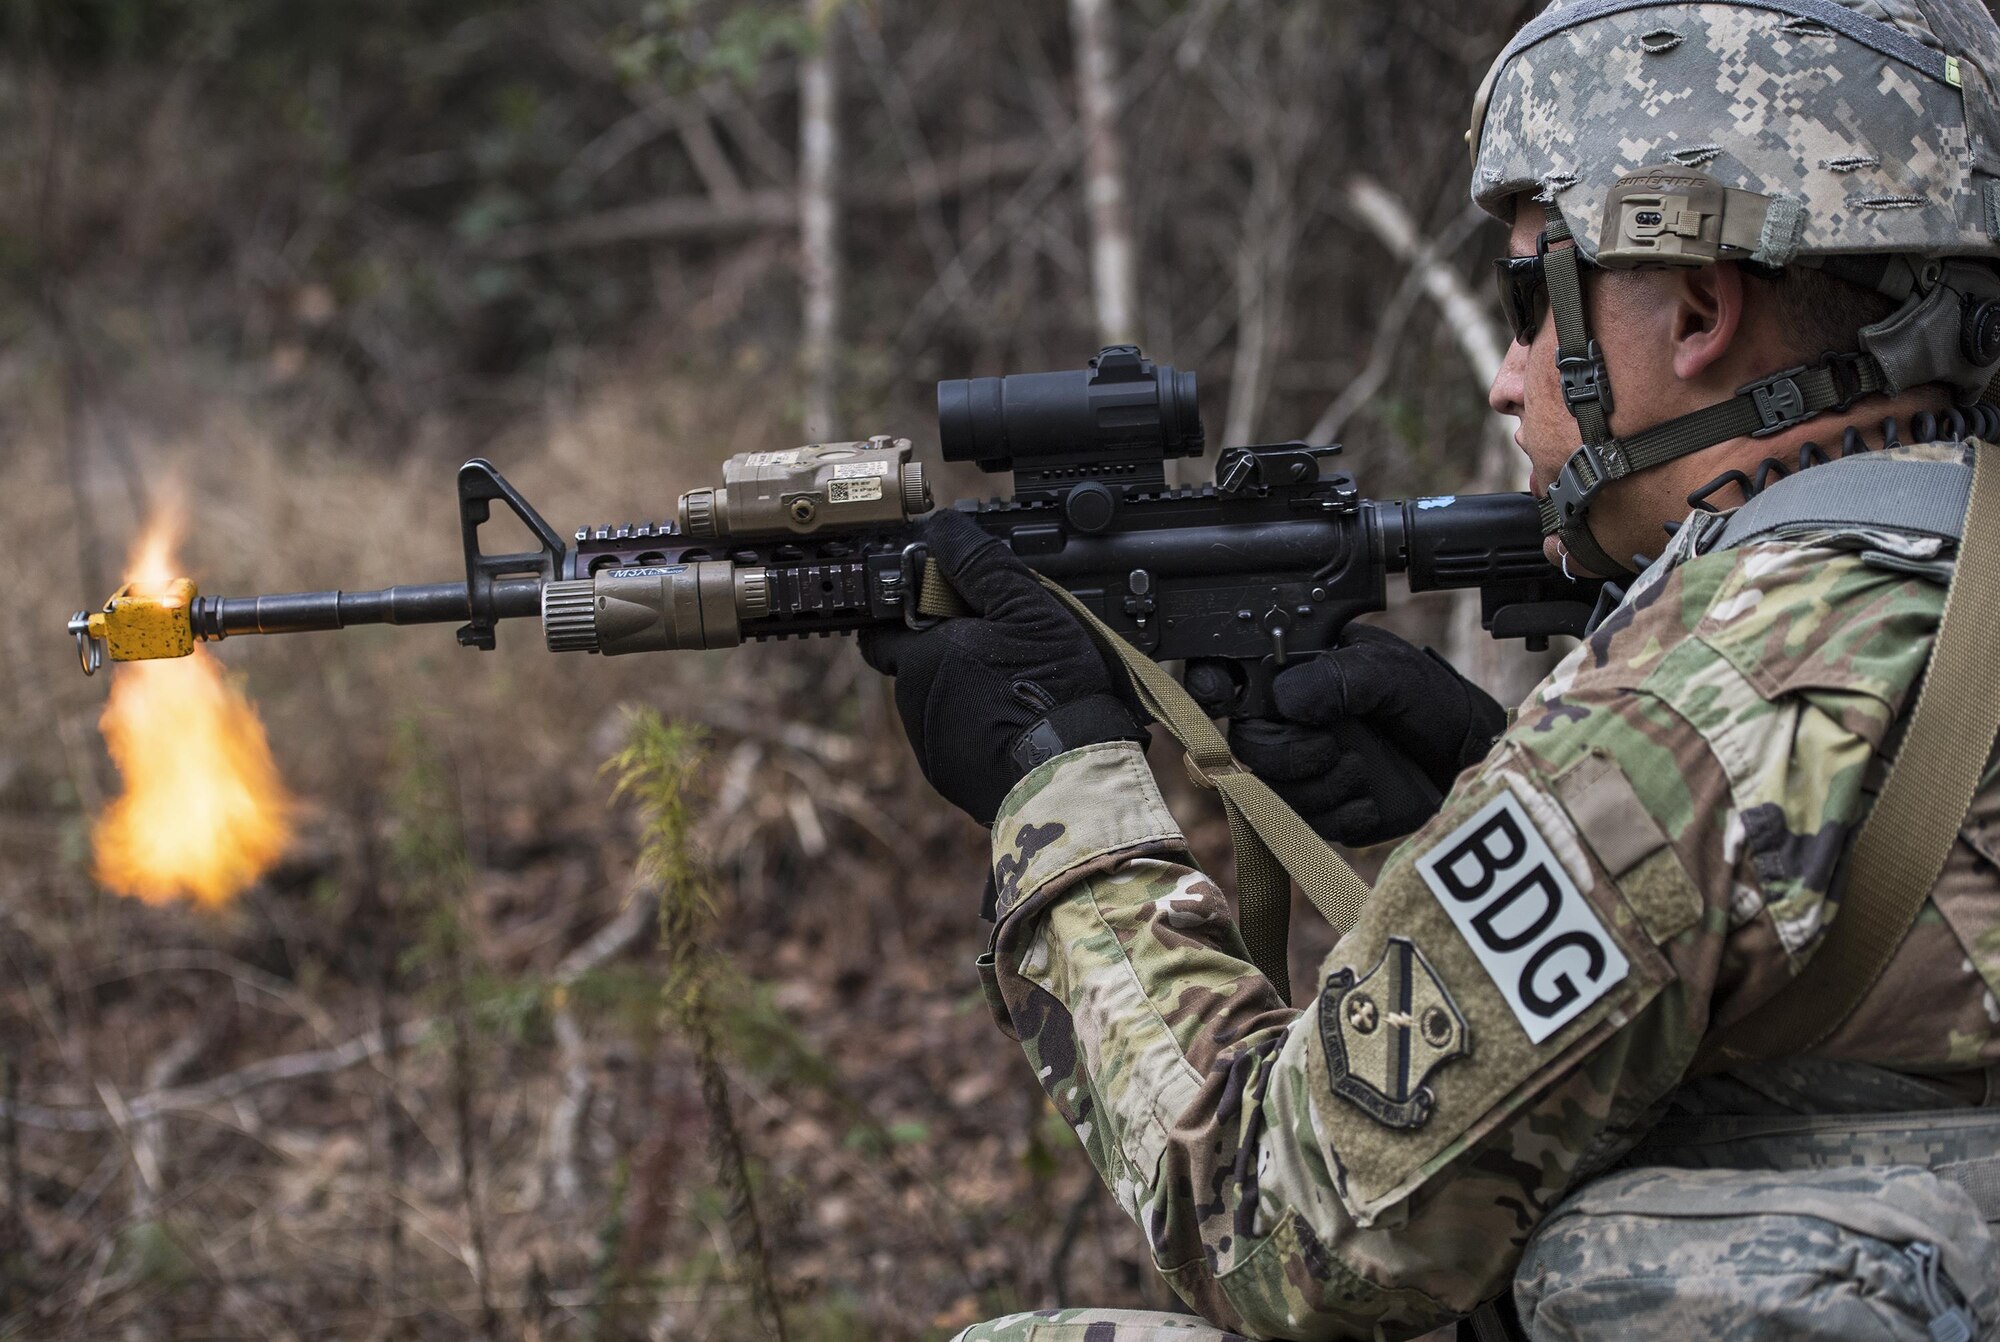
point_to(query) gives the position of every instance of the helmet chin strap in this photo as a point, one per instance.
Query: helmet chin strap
(1586, 388)
(1764, 407)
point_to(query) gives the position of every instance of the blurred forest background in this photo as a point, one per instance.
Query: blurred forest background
(287, 262)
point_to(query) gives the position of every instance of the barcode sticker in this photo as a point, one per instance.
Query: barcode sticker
(854, 491)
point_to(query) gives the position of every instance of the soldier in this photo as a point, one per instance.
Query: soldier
(1555, 1063)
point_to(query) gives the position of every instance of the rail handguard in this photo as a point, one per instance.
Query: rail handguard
(1235, 578)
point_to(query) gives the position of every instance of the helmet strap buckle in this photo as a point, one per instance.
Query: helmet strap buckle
(1589, 469)
(1780, 402)
(1585, 379)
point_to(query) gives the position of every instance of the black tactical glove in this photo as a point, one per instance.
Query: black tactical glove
(1373, 734)
(987, 697)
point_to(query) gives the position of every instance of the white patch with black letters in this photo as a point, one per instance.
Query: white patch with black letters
(1535, 935)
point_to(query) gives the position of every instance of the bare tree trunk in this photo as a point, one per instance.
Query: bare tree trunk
(819, 217)
(1113, 271)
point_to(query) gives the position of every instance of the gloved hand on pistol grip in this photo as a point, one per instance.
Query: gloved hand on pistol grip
(1372, 734)
(988, 696)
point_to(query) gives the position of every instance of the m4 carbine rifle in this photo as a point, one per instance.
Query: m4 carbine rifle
(1234, 578)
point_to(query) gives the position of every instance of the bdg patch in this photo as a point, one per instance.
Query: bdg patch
(1386, 1032)
(1532, 931)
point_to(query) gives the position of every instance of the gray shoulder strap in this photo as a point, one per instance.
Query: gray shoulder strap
(1926, 498)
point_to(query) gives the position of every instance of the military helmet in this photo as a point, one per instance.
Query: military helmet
(1863, 127)
(1857, 137)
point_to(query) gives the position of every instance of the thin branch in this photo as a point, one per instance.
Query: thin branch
(611, 939)
(181, 960)
(1471, 321)
(1072, 1228)
(684, 218)
(14, 1231)
(120, 1114)
(633, 132)
(718, 174)
(148, 1136)
(669, 219)
(1390, 323)
(566, 1116)
(753, 141)
(1055, 158)
(827, 747)
(478, 1258)
(1390, 326)
(291, 1067)
(905, 125)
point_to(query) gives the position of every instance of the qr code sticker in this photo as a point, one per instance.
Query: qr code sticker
(854, 491)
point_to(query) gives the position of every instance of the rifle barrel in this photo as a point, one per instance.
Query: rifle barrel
(217, 617)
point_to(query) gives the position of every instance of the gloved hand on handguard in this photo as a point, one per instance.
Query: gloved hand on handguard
(988, 696)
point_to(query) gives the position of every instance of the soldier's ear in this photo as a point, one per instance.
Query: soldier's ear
(1707, 318)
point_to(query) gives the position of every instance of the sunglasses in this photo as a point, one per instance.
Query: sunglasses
(1524, 294)
(1524, 290)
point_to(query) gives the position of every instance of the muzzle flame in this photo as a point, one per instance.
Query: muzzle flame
(203, 813)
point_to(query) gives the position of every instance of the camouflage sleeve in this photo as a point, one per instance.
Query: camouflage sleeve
(1652, 842)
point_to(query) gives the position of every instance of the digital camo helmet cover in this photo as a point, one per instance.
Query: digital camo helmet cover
(1866, 126)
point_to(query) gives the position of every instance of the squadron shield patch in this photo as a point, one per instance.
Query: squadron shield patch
(1387, 1031)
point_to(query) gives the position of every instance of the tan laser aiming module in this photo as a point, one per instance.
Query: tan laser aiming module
(794, 493)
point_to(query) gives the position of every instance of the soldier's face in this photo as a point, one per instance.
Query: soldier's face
(1528, 389)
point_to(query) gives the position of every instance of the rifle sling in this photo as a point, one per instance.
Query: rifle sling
(1273, 846)
(1902, 846)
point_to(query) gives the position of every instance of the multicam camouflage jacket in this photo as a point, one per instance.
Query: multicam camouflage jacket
(1651, 850)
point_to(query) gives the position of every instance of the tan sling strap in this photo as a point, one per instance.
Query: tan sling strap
(1269, 838)
(1903, 843)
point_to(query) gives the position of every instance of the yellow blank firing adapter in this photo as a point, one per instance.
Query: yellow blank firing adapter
(142, 622)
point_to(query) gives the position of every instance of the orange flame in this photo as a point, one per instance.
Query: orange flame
(203, 813)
